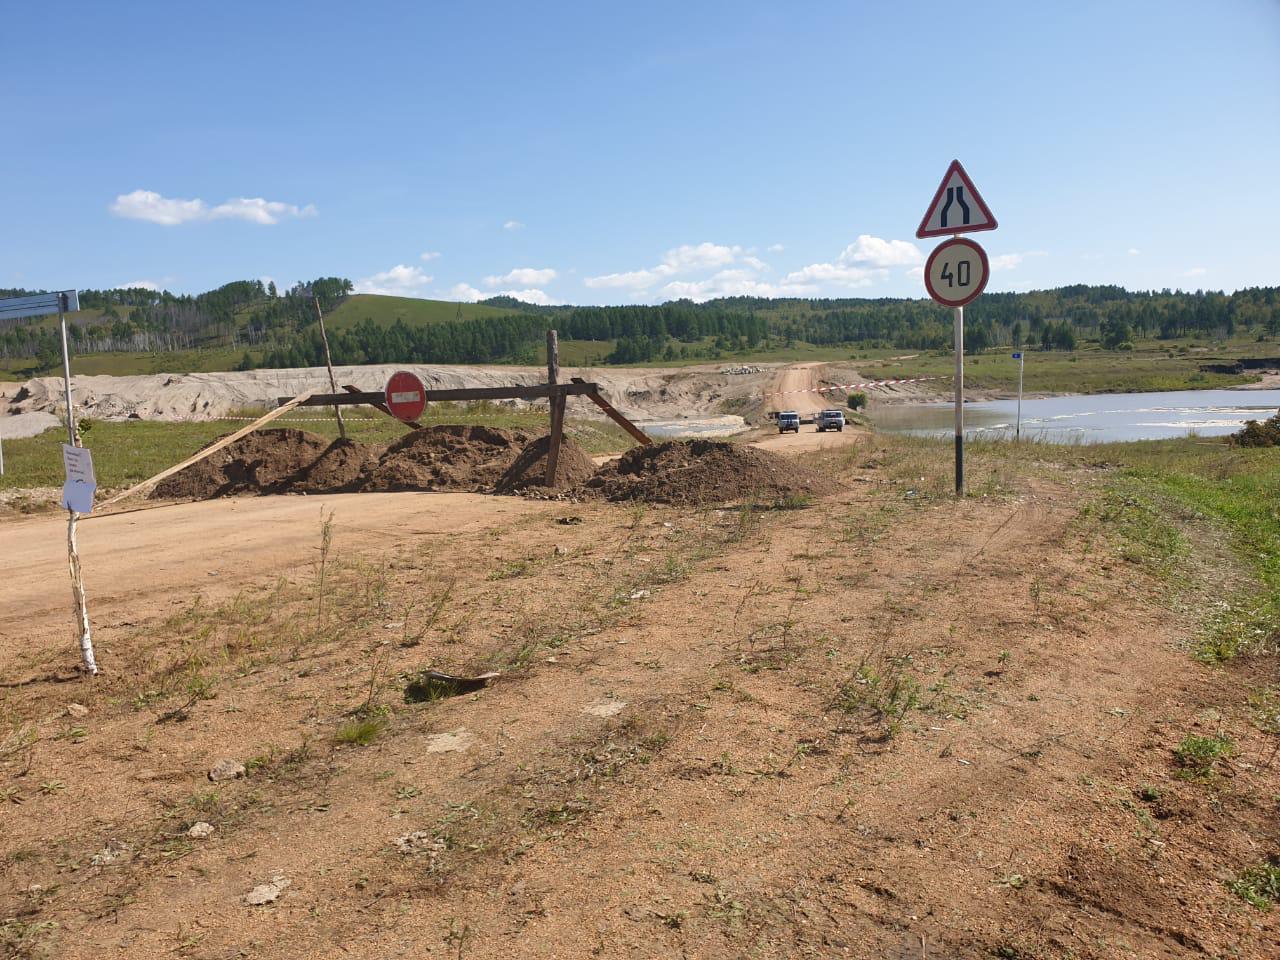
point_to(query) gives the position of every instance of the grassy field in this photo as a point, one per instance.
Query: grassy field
(1153, 365)
(126, 452)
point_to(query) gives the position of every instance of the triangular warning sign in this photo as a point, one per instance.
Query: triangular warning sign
(957, 207)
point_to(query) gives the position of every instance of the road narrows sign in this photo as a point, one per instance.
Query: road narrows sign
(956, 272)
(957, 207)
(406, 395)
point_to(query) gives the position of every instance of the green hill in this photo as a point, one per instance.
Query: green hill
(385, 311)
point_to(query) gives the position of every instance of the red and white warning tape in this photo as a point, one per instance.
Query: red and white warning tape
(855, 386)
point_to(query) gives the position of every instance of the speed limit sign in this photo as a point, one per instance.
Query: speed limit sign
(956, 272)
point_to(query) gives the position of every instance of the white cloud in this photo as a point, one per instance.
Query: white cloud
(840, 274)
(429, 256)
(776, 248)
(150, 206)
(692, 257)
(633, 280)
(1009, 261)
(523, 275)
(513, 225)
(139, 285)
(734, 283)
(169, 211)
(875, 252)
(755, 263)
(399, 281)
(684, 259)
(1134, 251)
(1197, 272)
(465, 292)
(528, 296)
(916, 273)
(258, 210)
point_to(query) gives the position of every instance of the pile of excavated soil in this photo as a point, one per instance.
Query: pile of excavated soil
(705, 471)
(265, 461)
(447, 457)
(339, 469)
(573, 467)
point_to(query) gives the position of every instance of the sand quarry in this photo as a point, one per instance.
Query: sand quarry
(737, 704)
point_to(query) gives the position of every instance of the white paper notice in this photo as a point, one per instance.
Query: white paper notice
(77, 492)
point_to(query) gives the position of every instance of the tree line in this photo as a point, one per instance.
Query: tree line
(278, 329)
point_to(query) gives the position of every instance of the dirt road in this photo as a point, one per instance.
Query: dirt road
(212, 547)
(795, 388)
(883, 726)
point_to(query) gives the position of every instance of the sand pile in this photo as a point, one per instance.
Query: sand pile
(705, 471)
(573, 467)
(447, 457)
(340, 468)
(265, 461)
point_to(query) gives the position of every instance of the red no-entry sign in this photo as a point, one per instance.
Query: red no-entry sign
(406, 395)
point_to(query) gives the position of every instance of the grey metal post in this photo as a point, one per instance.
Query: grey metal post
(959, 378)
(1022, 359)
(73, 553)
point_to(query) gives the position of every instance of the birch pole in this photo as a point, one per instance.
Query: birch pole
(73, 554)
(328, 362)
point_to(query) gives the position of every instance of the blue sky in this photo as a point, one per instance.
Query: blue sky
(608, 153)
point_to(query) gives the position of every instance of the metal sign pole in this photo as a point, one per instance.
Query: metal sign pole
(1022, 359)
(959, 377)
(73, 554)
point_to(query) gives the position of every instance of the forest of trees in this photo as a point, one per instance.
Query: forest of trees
(279, 329)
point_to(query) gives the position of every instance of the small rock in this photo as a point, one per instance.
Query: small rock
(451, 742)
(639, 594)
(605, 708)
(112, 852)
(226, 770)
(77, 710)
(420, 841)
(198, 831)
(265, 893)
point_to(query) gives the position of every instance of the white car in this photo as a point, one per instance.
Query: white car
(830, 420)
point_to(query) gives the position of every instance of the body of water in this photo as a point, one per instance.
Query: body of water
(1098, 418)
(692, 427)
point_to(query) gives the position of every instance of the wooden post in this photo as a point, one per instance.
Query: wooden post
(328, 362)
(557, 407)
(78, 597)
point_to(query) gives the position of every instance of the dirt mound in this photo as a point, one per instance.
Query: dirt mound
(705, 471)
(447, 457)
(573, 467)
(262, 462)
(1259, 434)
(339, 469)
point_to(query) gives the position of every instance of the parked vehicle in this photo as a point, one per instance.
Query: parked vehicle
(830, 420)
(788, 420)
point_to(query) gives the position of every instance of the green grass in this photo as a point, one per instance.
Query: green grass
(385, 311)
(1259, 885)
(126, 452)
(1197, 755)
(362, 732)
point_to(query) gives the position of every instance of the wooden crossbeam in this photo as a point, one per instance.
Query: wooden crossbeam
(539, 391)
(613, 414)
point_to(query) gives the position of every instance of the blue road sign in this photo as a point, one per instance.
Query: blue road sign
(1018, 355)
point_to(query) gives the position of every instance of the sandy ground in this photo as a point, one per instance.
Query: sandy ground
(877, 727)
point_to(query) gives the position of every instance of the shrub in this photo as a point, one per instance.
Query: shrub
(857, 400)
